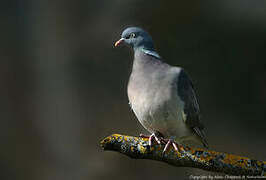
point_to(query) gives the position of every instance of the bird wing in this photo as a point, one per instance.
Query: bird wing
(191, 107)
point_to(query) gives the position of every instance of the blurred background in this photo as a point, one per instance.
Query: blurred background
(63, 84)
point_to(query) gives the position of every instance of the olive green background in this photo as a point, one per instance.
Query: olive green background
(63, 84)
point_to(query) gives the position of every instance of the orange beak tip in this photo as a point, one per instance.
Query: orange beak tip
(117, 43)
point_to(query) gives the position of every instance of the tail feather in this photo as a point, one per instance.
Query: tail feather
(201, 134)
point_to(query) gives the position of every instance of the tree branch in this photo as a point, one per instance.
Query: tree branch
(138, 148)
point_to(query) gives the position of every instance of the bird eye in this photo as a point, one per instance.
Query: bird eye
(132, 35)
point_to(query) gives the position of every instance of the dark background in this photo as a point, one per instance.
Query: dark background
(63, 84)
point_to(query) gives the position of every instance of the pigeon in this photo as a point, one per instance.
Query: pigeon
(162, 96)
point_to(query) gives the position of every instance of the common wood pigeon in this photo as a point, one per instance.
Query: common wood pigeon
(162, 96)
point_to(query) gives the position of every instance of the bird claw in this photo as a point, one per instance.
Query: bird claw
(144, 136)
(168, 145)
(153, 136)
(159, 140)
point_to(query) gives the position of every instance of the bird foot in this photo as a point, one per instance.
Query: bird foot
(144, 136)
(160, 140)
(170, 143)
(157, 138)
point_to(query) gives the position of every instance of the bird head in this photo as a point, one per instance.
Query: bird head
(136, 38)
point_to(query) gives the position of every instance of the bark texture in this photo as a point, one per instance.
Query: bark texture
(209, 160)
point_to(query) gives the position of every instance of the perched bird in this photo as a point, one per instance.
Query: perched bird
(162, 96)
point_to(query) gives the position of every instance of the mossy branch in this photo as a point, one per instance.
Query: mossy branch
(138, 148)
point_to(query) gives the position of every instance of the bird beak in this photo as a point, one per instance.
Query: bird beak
(119, 42)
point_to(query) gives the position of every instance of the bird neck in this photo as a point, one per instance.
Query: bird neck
(149, 51)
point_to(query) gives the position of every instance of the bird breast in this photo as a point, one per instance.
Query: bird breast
(153, 98)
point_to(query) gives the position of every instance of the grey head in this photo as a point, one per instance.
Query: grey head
(138, 39)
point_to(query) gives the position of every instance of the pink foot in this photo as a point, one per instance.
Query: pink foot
(144, 136)
(168, 145)
(158, 139)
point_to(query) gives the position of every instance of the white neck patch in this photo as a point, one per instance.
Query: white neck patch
(151, 53)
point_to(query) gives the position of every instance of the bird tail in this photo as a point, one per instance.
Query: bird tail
(202, 135)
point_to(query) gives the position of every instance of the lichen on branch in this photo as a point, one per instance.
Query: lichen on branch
(138, 148)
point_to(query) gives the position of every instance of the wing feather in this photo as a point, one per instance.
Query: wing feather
(191, 109)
